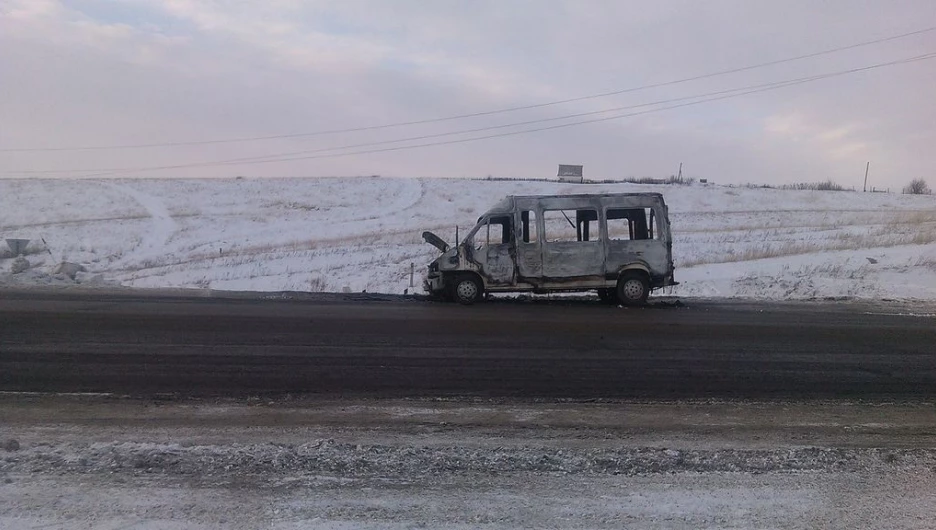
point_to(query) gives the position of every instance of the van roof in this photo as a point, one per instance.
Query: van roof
(509, 202)
(589, 196)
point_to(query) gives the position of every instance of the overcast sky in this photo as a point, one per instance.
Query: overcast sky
(89, 73)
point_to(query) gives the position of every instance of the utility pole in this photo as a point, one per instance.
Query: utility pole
(867, 167)
(679, 176)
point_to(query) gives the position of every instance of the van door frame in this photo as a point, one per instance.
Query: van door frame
(529, 255)
(578, 269)
(496, 263)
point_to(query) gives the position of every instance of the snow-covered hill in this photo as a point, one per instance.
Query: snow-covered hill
(363, 234)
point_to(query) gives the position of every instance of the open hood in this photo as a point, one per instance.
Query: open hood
(435, 241)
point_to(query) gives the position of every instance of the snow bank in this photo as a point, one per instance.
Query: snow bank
(362, 234)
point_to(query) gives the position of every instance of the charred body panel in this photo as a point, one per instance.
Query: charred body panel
(561, 242)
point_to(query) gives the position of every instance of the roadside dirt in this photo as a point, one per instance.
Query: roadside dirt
(696, 424)
(109, 462)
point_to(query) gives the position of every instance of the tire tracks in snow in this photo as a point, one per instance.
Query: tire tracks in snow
(410, 193)
(389, 205)
(162, 225)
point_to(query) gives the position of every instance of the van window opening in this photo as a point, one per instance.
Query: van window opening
(499, 230)
(528, 222)
(587, 225)
(630, 224)
(560, 227)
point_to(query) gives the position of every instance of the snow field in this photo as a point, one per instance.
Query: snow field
(334, 234)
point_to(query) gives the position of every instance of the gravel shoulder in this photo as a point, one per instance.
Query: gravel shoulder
(110, 462)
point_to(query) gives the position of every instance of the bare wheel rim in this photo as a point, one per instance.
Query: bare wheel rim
(467, 290)
(633, 289)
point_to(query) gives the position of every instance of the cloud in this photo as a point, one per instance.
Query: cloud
(89, 72)
(833, 142)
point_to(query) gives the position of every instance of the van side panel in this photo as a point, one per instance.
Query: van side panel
(650, 253)
(571, 259)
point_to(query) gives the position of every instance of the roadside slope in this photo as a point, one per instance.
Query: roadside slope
(363, 234)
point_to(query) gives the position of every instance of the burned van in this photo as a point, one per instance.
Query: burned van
(618, 244)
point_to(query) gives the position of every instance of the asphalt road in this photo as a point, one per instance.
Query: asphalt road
(145, 344)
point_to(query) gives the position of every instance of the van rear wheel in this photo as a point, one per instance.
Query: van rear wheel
(467, 289)
(633, 288)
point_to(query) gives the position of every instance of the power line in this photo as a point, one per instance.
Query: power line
(451, 133)
(561, 126)
(478, 114)
(725, 94)
(270, 158)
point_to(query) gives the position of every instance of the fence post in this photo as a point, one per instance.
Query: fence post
(412, 268)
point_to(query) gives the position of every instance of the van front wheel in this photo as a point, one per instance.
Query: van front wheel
(633, 288)
(467, 289)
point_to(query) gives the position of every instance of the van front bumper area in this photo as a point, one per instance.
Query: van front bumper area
(436, 285)
(434, 280)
